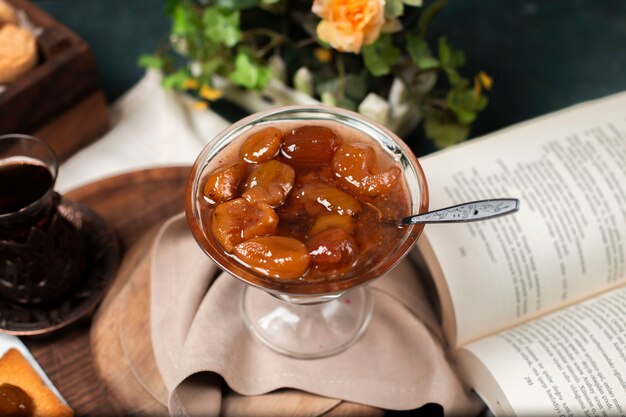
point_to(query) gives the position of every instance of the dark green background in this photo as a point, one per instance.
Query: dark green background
(543, 55)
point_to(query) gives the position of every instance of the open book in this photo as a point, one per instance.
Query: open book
(534, 303)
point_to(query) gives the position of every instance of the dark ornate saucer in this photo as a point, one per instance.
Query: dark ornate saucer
(103, 254)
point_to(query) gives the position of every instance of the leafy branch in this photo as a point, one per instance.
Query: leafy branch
(249, 42)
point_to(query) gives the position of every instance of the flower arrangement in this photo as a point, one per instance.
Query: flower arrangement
(370, 56)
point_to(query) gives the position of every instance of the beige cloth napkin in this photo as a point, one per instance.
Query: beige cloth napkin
(199, 338)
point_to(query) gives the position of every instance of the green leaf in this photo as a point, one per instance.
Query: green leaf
(211, 65)
(237, 4)
(455, 78)
(380, 56)
(175, 80)
(449, 56)
(444, 51)
(427, 16)
(444, 133)
(465, 104)
(420, 54)
(221, 25)
(327, 86)
(464, 115)
(150, 61)
(414, 3)
(247, 73)
(346, 103)
(264, 77)
(356, 87)
(183, 20)
(392, 26)
(393, 8)
(170, 6)
(451, 59)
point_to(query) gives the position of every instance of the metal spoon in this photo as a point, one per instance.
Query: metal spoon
(466, 212)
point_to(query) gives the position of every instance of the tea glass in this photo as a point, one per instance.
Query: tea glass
(41, 252)
(295, 317)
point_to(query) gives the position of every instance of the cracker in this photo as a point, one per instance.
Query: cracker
(15, 370)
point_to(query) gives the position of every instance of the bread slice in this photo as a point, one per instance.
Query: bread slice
(15, 370)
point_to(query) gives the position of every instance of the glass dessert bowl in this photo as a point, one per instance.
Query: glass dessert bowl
(302, 204)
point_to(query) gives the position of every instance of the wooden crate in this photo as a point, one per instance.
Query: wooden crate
(59, 100)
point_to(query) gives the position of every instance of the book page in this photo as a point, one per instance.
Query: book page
(567, 242)
(568, 363)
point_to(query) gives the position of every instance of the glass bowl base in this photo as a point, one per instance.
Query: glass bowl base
(307, 331)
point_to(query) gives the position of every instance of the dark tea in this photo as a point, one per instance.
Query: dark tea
(21, 184)
(42, 253)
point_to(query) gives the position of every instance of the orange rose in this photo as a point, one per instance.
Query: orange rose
(349, 24)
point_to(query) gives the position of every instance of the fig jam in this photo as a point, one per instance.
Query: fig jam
(311, 202)
(14, 402)
(21, 184)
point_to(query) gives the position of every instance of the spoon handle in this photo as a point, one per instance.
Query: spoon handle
(467, 212)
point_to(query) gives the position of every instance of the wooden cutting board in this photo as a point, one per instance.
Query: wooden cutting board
(120, 332)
